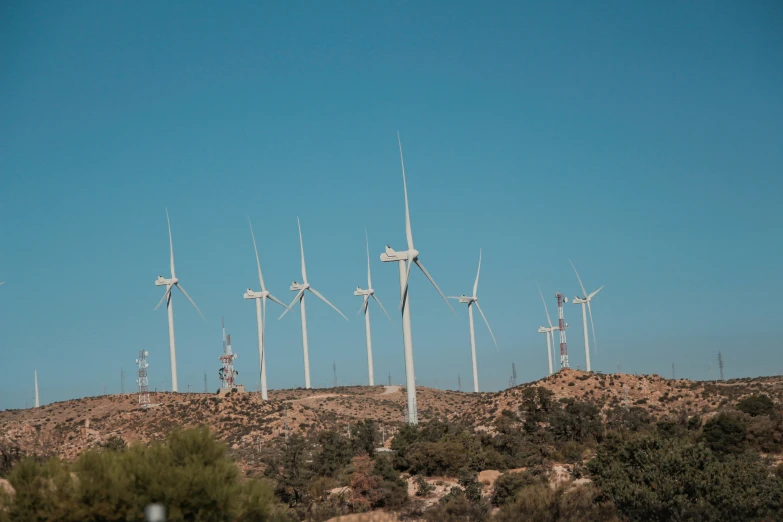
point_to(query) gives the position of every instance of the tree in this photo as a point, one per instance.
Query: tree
(578, 421)
(335, 453)
(509, 484)
(726, 433)
(650, 478)
(364, 437)
(755, 405)
(292, 480)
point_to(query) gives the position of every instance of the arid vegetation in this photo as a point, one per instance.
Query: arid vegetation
(575, 446)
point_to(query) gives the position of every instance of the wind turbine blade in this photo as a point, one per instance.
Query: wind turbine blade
(364, 304)
(594, 293)
(405, 288)
(418, 263)
(592, 325)
(288, 308)
(475, 285)
(325, 300)
(408, 232)
(367, 244)
(487, 323)
(382, 308)
(258, 262)
(165, 295)
(276, 300)
(171, 244)
(584, 292)
(301, 248)
(191, 302)
(545, 307)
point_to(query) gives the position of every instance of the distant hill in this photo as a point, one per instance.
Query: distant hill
(247, 424)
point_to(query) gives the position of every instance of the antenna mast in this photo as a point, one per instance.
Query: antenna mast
(720, 365)
(561, 323)
(227, 372)
(143, 381)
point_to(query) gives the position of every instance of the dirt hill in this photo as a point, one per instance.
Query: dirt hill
(247, 424)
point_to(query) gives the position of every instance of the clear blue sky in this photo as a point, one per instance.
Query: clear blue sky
(644, 140)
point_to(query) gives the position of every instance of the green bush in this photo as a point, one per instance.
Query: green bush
(509, 484)
(540, 503)
(755, 405)
(726, 433)
(651, 478)
(190, 474)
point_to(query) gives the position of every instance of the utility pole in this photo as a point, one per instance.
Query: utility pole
(205, 382)
(459, 383)
(673, 374)
(188, 388)
(513, 374)
(334, 369)
(720, 365)
(122, 380)
(389, 378)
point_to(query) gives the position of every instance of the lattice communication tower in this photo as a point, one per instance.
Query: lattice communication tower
(143, 381)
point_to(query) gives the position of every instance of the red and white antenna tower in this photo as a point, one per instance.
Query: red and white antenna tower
(563, 346)
(227, 372)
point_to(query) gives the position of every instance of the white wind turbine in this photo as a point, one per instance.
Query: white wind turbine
(260, 299)
(169, 284)
(408, 257)
(470, 301)
(369, 292)
(300, 288)
(586, 301)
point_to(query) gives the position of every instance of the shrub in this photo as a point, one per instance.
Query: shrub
(725, 433)
(191, 474)
(651, 478)
(543, 504)
(508, 485)
(755, 405)
(423, 488)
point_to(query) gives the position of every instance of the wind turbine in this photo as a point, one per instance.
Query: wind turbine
(586, 301)
(260, 299)
(408, 257)
(550, 332)
(300, 288)
(470, 301)
(169, 284)
(369, 292)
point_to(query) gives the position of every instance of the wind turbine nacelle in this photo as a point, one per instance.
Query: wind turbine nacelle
(391, 255)
(465, 299)
(251, 294)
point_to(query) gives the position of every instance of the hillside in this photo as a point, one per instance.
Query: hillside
(247, 424)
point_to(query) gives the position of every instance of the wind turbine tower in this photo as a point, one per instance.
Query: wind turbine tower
(586, 301)
(260, 299)
(143, 380)
(37, 401)
(300, 296)
(405, 260)
(366, 307)
(470, 301)
(550, 336)
(169, 284)
(561, 325)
